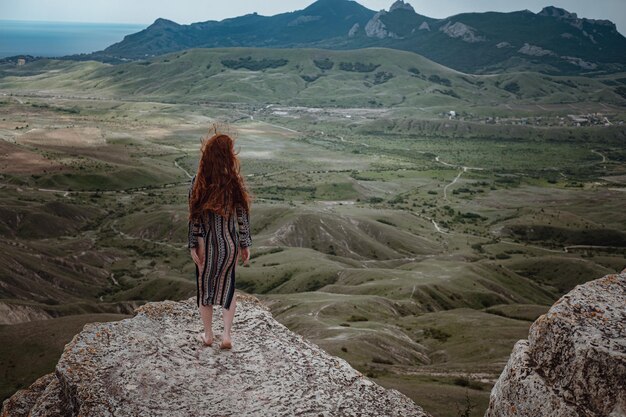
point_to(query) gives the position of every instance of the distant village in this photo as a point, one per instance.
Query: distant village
(573, 120)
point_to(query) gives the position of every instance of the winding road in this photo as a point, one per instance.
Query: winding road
(461, 167)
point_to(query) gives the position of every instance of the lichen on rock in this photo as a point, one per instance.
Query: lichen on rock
(154, 364)
(574, 361)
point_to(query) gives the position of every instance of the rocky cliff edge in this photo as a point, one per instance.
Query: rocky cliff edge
(574, 361)
(153, 364)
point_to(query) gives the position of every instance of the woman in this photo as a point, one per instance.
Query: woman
(218, 196)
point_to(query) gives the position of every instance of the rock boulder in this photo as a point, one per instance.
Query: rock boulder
(155, 365)
(574, 361)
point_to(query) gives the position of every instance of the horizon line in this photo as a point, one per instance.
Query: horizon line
(76, 22)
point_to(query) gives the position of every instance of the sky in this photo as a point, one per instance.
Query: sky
(189, 11)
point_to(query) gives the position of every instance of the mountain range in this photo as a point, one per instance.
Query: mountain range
(552, 41)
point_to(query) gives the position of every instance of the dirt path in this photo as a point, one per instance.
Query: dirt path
(182, 169)
(445, 189)
(463, 169)
(438, 228)
(604, 159)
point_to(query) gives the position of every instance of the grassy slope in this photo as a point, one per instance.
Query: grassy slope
(199, 75)
(372, 277)
(41, 344)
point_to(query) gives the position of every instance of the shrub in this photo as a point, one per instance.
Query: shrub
(512, 87)
(450, 93)
(462, 382)
(621, 91)
(357, 67)
(478, 247)
(254, 65)
(357, 317)
(436, 334)
(382, 77)
(375, 200)
(310, 78)
(324, 64)
(439, 80)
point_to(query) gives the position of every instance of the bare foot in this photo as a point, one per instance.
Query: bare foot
(226, 343)
(208, 341)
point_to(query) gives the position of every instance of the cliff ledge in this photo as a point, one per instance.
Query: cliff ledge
(574, 361)
(153, 364)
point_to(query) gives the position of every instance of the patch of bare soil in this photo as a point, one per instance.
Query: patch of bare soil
(72, 136)
(16, 160)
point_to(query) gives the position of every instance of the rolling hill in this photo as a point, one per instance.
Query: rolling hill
(415, 244)
(372, 77)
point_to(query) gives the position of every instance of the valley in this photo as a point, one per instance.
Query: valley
(417, 246)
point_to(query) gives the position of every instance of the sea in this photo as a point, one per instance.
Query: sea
(55, 39)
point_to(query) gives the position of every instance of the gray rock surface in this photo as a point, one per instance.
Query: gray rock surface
(574, 361)
(580, 62)
(534, 50)
(461, 31)
(424, 26)
(401, 5)
(375, 28)
(155, 365)
(21, 403)
(354, 30)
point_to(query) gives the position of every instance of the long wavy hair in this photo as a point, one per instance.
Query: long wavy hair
(219, 186)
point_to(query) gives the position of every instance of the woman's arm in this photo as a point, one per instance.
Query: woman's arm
(195, 231)
(245, 240)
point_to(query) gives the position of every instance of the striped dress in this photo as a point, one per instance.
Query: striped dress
(215, 284)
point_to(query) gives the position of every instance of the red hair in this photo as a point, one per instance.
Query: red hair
(219, 186)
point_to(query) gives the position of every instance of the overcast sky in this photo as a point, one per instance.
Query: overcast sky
(188, 11)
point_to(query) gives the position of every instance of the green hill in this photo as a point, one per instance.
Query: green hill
(416, 246)
(306, 77)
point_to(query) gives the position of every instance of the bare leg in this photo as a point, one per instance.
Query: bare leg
(206, 312)
(229, 315)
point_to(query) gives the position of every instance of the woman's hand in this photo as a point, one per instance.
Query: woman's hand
(244, 254)
(197, 254)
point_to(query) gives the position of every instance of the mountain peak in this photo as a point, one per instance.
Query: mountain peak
(334, 6)
(559, 13)
(572, 18)
(163, 23)
(401, 5)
